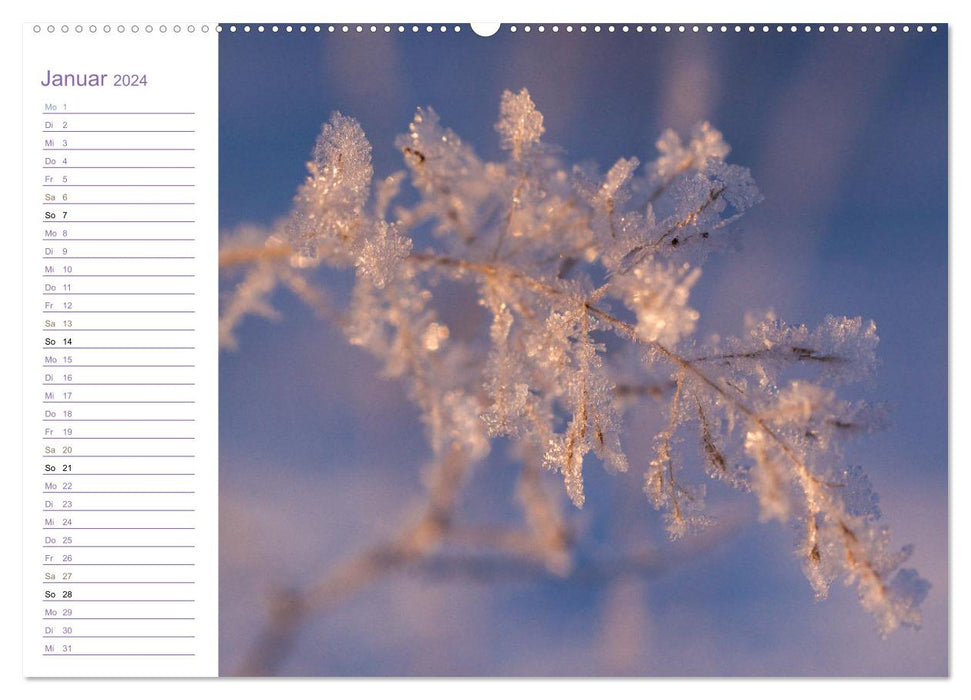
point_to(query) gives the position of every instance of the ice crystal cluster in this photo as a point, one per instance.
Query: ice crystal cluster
(566, 262)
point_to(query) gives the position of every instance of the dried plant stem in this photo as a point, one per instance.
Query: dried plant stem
(534, 238)
(813, 488)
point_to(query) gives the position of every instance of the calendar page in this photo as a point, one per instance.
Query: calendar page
(527, 349)
(120, 353)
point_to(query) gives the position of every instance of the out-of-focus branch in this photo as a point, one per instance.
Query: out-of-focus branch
(481, 554)
(267, 268)
(289, 608)
(486, 567)
(656, 390)
(245, 256)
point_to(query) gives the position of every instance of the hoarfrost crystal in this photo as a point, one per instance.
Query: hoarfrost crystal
(563, 259)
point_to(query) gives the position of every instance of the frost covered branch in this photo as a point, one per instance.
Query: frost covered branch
(566, 263)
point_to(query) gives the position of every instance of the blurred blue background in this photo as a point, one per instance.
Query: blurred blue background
(846, 136)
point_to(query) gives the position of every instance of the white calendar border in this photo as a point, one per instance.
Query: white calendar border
(11, 682)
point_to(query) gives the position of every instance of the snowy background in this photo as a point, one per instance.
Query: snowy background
(846, 135)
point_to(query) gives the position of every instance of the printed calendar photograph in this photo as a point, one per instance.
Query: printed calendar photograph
(590, 350)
